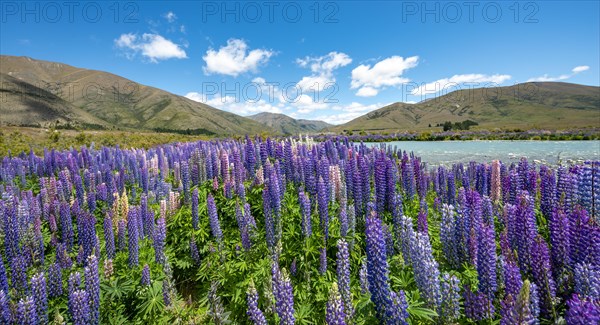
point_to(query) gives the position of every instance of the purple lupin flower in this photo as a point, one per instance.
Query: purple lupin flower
(547, 190)
(74, 282)
(512, 277)
(166, 293)
(450, 291)
(380, 182)
(92, 287)
(448, 235)
(145, 281)
(243, 227)
(343, 217)
(323, 201)
(5, 314)
(343, 274)
(250, 222)
(40, 297)
(147, 217)
(399, 311)
(427, 274)
(478, 306)
(194, 251)
(79, 309)
(3, 278)
(160, 235)
(323, 260)
(254, 313)
(585, 239)
(525, 230)
(582, 311)
(486, 261)
(422, 226)
(363, 275)
(305, 211)
(559, 226)
(19, 274)
(334, 314)
(542, 274)
(392, 179)
(195, 209)
(55, 285)
(213, 219)
(185, 180)
(121, 234)
(284, 298)
(377, 267)
(26, 312)
(62, 258)
(269, 222)
(587, 280)
(133, 238)
(109, 237)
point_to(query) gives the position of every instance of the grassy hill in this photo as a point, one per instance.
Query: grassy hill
(286, 125)
(552, 105)
(38, 92)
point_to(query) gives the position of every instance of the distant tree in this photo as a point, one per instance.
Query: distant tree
(447, 126)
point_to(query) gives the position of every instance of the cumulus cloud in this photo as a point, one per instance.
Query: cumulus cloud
(322, 69)
(386, 73)
(367, 92)
(235, 105)
(235, 59)
(574, 71)
(348, 112)
(306, 104)
(457, 80)
(152, 46)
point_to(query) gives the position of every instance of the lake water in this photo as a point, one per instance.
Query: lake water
(449, 152)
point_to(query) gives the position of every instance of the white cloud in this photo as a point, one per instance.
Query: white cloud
(234, 59)
(195, 96)
(310, 84)
(235, 105)
(152, 46)
(385, 73)
(348, 112)
(322, 68)
(546, 77)
(367, 92)
(456, 80)
(580, 68)
(325, 64)
(306, 104)
(574, 71)
(170, 16)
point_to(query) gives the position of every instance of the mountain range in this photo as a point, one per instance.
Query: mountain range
(286, 125)
(38, 92)
(41, 93)
(552, 105)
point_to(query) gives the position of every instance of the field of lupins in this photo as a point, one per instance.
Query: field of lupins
(282, 232)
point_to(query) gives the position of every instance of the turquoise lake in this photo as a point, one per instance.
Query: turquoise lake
(449, 152)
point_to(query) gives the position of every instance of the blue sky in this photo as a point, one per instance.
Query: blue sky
(320, 60)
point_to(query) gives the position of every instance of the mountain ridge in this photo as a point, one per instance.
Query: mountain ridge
(289, 125)
(553, 105)
(104, 99)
